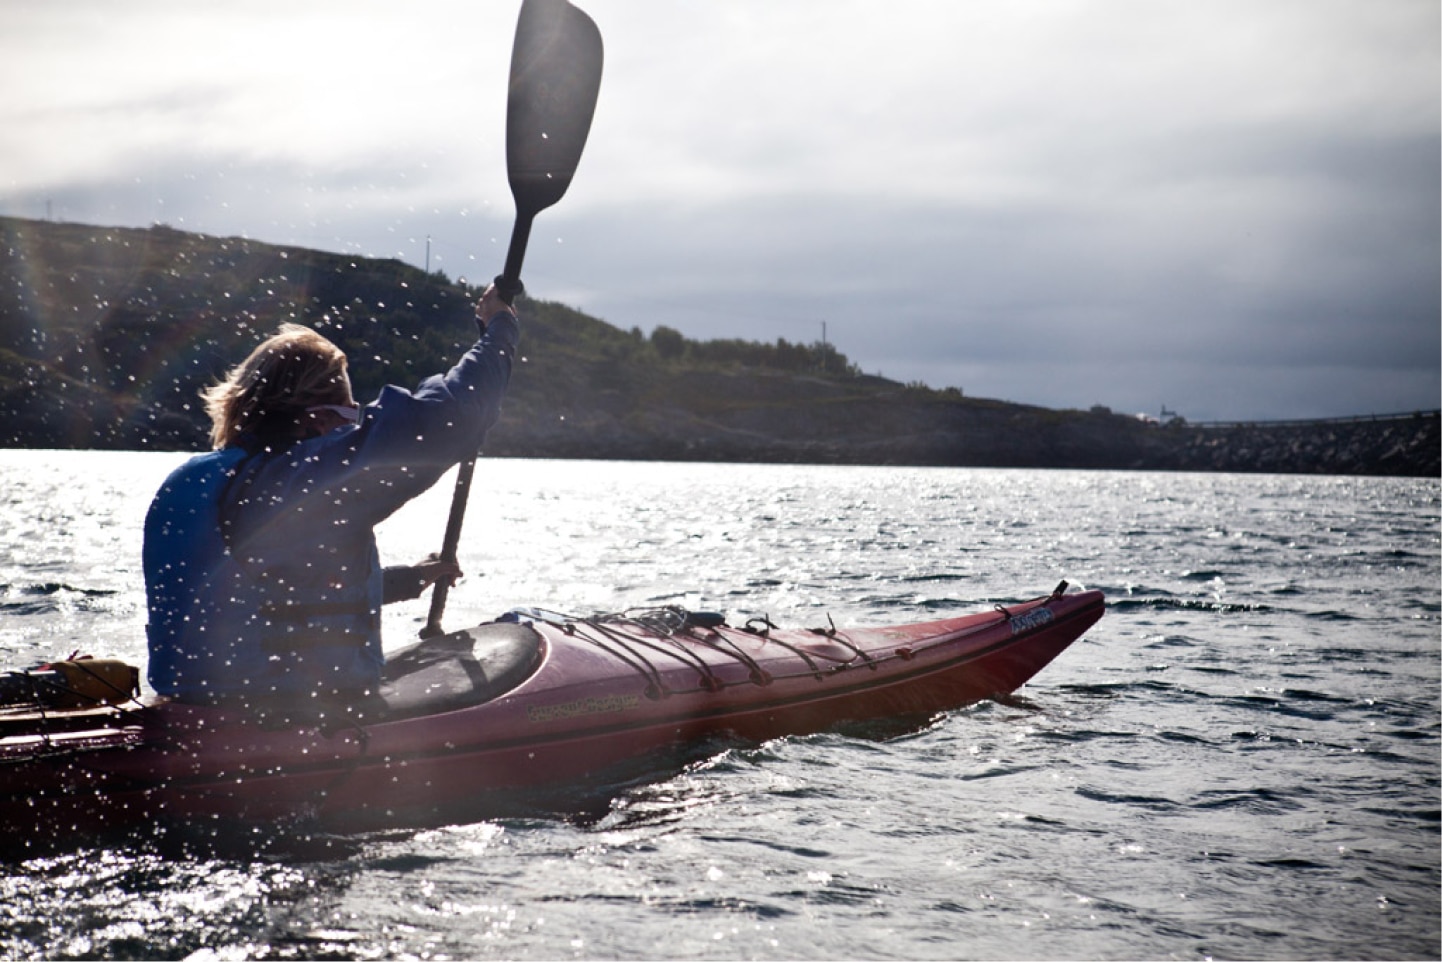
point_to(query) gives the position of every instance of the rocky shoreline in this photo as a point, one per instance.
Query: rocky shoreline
(1399, 445)
(700, 416)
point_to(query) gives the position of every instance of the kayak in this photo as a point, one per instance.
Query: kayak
(482, 720)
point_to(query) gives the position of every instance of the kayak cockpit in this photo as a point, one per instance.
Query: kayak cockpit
(459, 670)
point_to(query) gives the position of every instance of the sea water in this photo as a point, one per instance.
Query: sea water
(1241, 760)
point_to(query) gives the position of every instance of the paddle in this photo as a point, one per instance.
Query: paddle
(555, 77)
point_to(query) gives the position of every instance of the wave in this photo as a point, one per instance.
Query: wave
(1154, 802)
(1286, 703)
(1331, 614)
(1184, 604)
(1173, 641)
(46, 597)
(1112, 689)
(53, 588)
(1203, 575)
(1253, 800)
(932, 578)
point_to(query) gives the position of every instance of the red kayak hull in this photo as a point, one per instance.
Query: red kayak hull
(603, 699)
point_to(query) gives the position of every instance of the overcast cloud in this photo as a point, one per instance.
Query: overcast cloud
(1228, 207)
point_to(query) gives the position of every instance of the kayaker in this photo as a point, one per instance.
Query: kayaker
(263, 582)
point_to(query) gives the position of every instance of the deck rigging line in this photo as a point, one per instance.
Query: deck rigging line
(675, 632)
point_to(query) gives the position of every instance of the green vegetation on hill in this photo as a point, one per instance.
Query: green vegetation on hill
(108, 334)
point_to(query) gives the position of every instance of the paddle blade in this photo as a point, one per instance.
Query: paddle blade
(555, 77)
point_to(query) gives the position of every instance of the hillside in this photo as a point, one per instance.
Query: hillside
(107, 335)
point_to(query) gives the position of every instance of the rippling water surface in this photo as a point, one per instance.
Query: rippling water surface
(1240, 761)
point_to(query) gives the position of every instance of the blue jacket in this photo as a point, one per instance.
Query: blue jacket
(261, 571)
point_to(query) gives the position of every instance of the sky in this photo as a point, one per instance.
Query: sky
(1225, 208)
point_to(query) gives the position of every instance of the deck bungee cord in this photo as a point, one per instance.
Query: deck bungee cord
(673, 631)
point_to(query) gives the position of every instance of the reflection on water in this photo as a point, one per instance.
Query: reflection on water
(1240, 760)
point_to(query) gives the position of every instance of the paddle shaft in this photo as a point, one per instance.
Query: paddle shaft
(508, 282)
(451, 542)
(555, 78)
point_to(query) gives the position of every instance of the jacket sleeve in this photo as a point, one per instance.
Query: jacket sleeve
(402, 583)
(403, 443)
(407, 439)
(447, 416)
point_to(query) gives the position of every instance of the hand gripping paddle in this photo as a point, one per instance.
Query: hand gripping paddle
(555, 77)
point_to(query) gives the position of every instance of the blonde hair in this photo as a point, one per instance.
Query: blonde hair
(266, 394)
